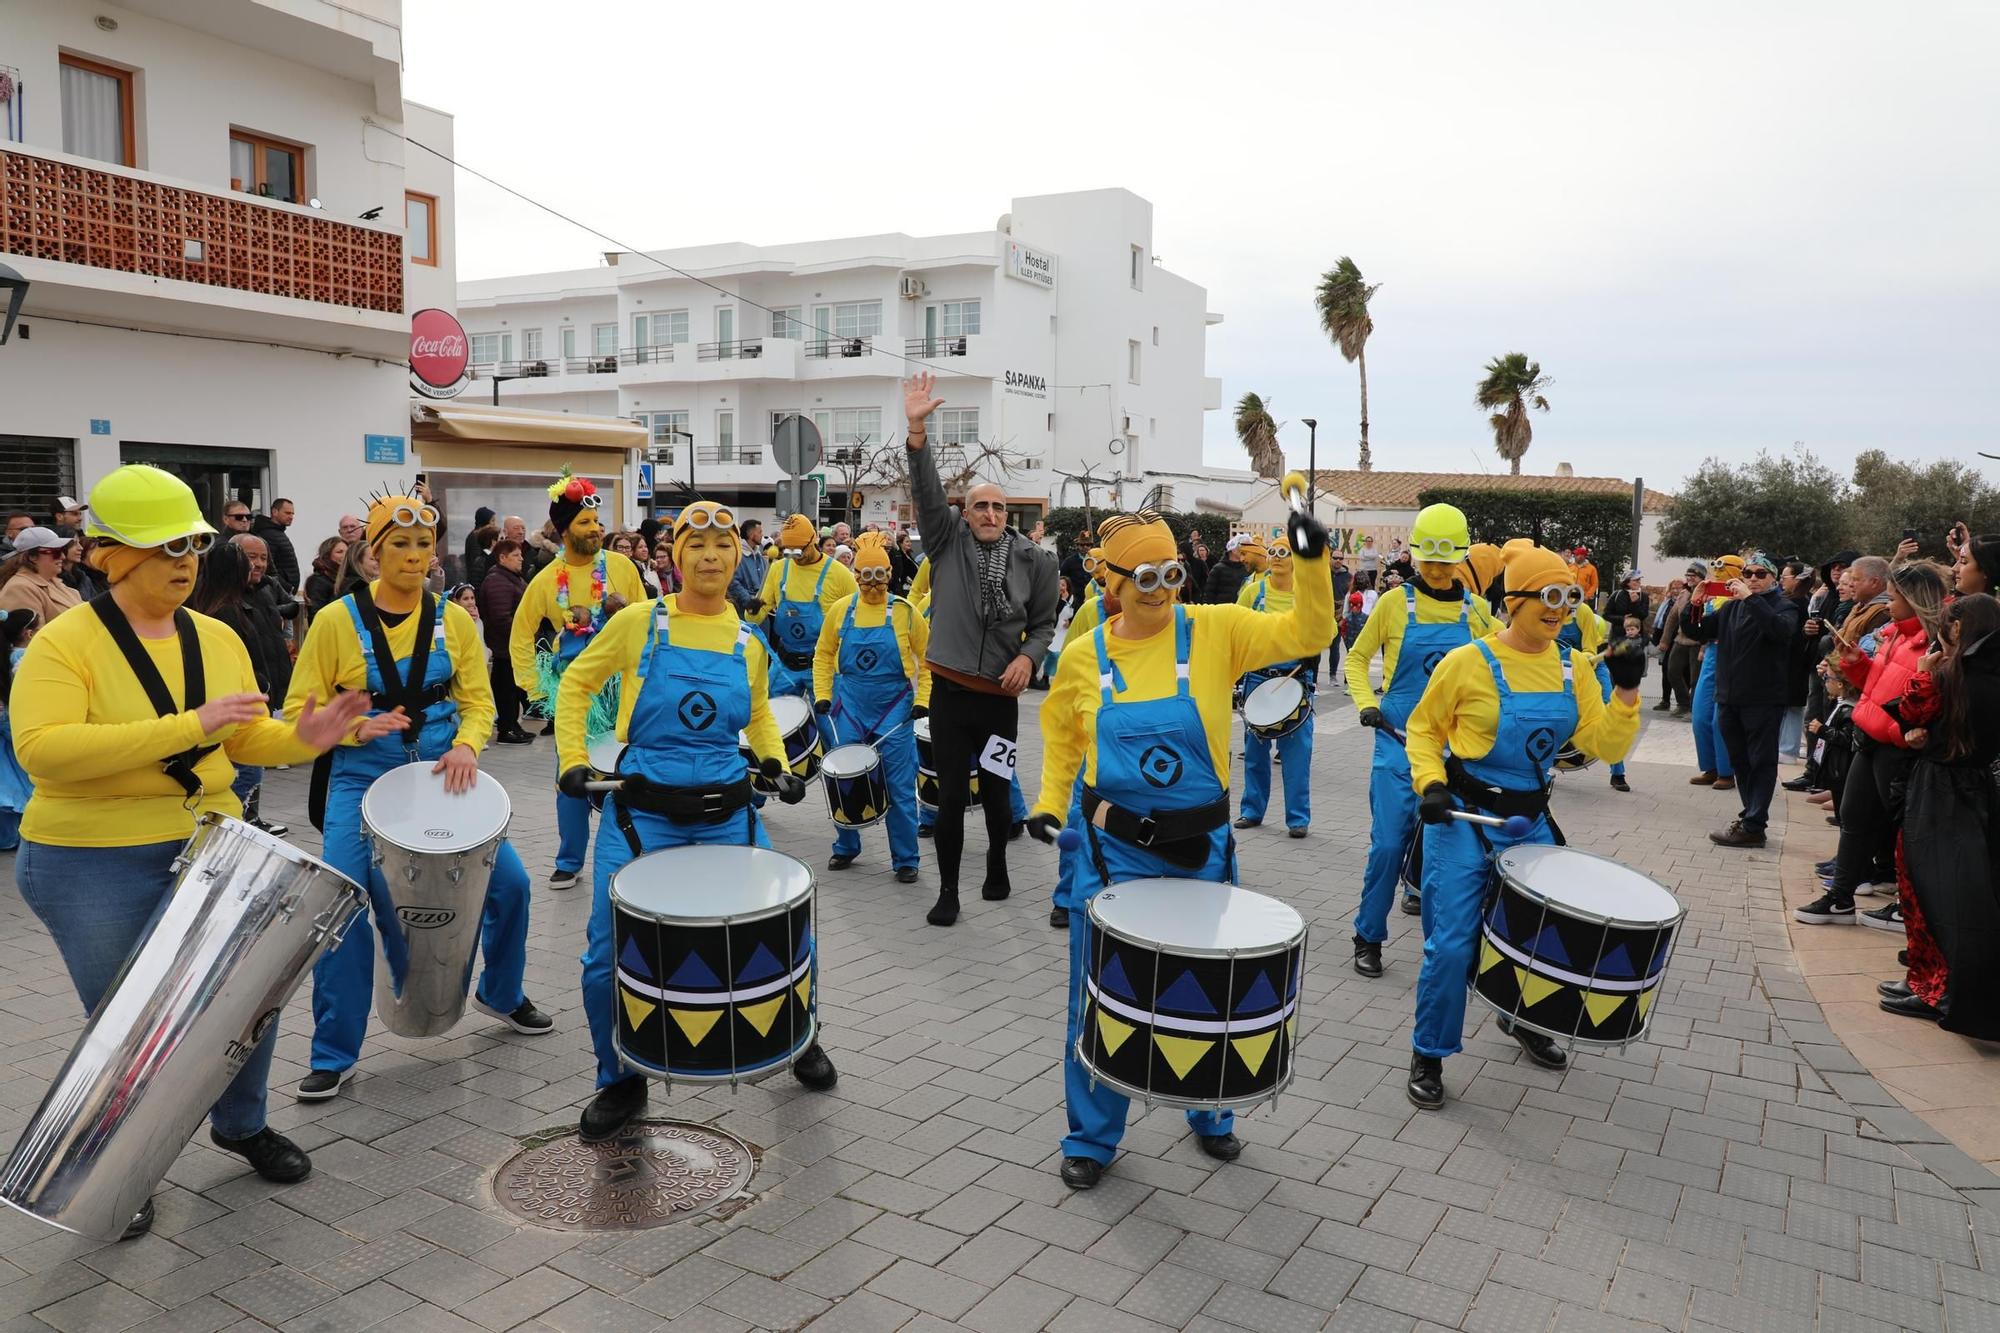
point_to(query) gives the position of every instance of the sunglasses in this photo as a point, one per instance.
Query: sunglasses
(871, 576)
(1557, 596)
(1756, 573)
(195, 543)
(243, 517)
(1150, 577)
(1436, 548)
(702, 519)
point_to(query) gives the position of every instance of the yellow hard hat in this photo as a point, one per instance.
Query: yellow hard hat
(1440, 533)
(143, 506)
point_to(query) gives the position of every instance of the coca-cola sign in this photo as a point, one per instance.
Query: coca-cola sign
(440, 354)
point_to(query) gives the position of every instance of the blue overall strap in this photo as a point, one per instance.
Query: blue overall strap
(784, 576)
(1493, 665)
(847, 623)
(1410, 602)
(654, 634)
(1258, 604)
(368, 664)
(1107, 674)
(825, 568)
(1569, 685)
(1183, 642)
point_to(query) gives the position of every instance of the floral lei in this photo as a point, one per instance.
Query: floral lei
(597, 572)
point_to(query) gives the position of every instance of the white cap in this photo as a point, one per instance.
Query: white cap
(39, 539)
(1236, 541)
(64, 503)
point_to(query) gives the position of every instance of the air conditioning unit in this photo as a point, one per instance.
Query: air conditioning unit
(913, 288)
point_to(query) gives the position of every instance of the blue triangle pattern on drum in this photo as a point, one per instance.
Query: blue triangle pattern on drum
(633, 961)
(1186, 996)
(1660, 953)
(1549, 946)
(762, 965)
(1259, 996)
(1617, 963)
(694, 974)
(1113, 980)
(805, 945)
(1497, 918)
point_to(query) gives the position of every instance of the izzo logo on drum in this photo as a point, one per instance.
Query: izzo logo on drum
(237, 1053)
(697, 711)
(426, 918)
(441, 834)
(1160, 765)
(1541, 744)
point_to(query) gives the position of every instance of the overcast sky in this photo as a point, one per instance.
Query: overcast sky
(1719, 227)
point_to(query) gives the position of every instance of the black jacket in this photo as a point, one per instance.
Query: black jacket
(1625, 604)
(284, 560)
(1754, 636)
(1225, 580)
(265, 608)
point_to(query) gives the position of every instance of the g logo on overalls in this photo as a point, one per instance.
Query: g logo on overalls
(697, 711)
(1160, 765)
(865, 659)
(1431, 661)
(1541, 744)
(796, 628)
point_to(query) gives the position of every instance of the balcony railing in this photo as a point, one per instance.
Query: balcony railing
(934, 346)
(607, 364)
(717, 455)
(828, 348)
(659, 354)
(749, 349)
(73, 214)
(539, 368)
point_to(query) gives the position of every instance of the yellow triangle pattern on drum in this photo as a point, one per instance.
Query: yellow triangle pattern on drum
(1112, 1032)
(1253, 1050)
(1183, 1053)
(637, 1011)
(1601, 1004)
(804, 989)
(1646, 1001)
(1534, 989)
(693, 1023)
(762, 1014)
(1292, 1030)
(1488, 957)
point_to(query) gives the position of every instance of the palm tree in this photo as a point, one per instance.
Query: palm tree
(1259, 436)
(1342, 299)
(1512, 385)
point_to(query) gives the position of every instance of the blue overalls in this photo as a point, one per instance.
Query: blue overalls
(682, 733)
(1533, 726)
(1571, 636)
(1709, 751)
(1129, 734)
(1016, 802)
(344, 977)
(1294, 751)
(15, 785)
(1392, 804)
(794, 629)
(572, 812)
(871, 703)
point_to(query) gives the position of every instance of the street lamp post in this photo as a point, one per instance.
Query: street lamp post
(1312, 460)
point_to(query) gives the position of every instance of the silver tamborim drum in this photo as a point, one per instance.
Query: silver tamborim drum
(248, 917)
(435, 854)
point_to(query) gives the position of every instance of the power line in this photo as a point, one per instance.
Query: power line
(217, 338)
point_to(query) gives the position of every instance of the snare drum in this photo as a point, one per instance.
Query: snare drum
(857, 792)
(796, 723)
(1277, 708)
(1192, 992)
(1574, 946)
(927, 778)
(715, 963)
(1569, 759)
(604, 754)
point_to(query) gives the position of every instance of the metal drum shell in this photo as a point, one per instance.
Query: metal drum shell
(798, 725)
(1261, 716)
(248, 917)
(856, 785)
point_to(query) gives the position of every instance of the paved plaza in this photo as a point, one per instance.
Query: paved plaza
(1738, 1170)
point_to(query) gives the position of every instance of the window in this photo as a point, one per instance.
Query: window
(604, 340)
(850, 427)
(955, 425)
(725, 437)
(857, 319)
(1156, 335)
(1132, 361)
(277, 171)
(951, 319)
(787, 322)
(660, 328)
(531, 344)
(664, 425)
(420, 225)
(1138, 268)
(97, 111)
(569, 341)
(489, 349)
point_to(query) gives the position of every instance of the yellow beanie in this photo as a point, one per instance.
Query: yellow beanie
(1531, 568)
(682, 530)
(871, 551)
(1482, 565)
(1132, 540)
(798, 534)
(382, 515)
(1726, 567)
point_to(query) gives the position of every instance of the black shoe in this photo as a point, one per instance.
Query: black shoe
(270, 1154)
(838, 862)
(923, 830)
(994, 893)
(1059, 917)
(946, 909)
(1826, 867)
(1801, 783)
(563, 879)
(1413, 904)
(275, 830)
(1902, 958)
(141, 1223)
(1911, 1007)
(1736, 835)
(1081, 1173)
(1019, 827)
(1222, 1147)
(515, 737)
(612, 1109)
(1367, 957)
(323, 1084)
(526, 1019)
(1892, 990)
(1662, 706)
(1248, 823)
(1884, 918)
(1542, 1050)
(1299, 832)
(906, 875)
(1426, 1086)
(815, 1069)
(1618, 782)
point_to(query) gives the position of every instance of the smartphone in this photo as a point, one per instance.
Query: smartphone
(424, 479)
(1714, 589)
(1909, 534)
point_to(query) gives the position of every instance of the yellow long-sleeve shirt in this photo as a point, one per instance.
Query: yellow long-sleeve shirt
(330, 660)
(913, 636)
(800, 580)
(88, 736)
(1461, 708)
(920, 586)
(617, 648)
(1384, 632)
(1227, 641)
(1276, 600)
(538, 604)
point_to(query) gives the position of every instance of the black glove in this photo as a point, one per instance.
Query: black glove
(822, 706)
(753, 606)
(1436, 807)
(791, 788)
(1308, 536)
(770, 768)
(919, 711)
(1043, 828)
(1626, 660)
(572, 780)
(1371, 717)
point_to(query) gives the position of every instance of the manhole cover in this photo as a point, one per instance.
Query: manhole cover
(652, 1174)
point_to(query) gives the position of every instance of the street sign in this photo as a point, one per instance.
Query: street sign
(382, 449)
(644, 490)
(795, 444)
(799, 495)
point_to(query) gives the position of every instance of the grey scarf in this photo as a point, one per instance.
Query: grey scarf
(993, 558)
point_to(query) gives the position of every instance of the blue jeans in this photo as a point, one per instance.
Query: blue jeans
(1791, 730)
(100, 903)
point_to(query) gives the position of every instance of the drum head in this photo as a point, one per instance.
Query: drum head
(604, 753)
(921, 729)
(1195, 916)
(850, 761)
(711, 883)
(408, 807)
(1589, 886)
(790, 713)
(1273, 701)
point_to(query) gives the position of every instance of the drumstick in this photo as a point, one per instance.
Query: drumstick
(1513, 826)
(610, 785)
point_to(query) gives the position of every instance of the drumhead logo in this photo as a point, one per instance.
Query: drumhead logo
(697, 711)
(426, 918)
(1160, 765)
(865, 659)
(441, 834)
(237, 1053)
(1541, 744)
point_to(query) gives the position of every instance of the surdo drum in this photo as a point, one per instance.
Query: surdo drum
(857, 792)
(715, 963)
(1574, 946)
(796, 723)
(1191, 992)
(1277, 708)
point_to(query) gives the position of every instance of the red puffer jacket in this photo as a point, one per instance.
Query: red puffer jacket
(1898, 648)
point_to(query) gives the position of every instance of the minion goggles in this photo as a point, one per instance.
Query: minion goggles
(197, 543)
(1558, 596)
(408, 516)
(1437, 548)
(691, 518)
(1151, 577)
(872, 575)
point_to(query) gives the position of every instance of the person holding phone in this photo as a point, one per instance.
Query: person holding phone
(1752, 641)
(1709, 750)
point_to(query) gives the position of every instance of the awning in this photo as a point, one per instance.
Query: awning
(453, 420)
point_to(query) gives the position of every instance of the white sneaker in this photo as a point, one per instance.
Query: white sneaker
(1875, 890)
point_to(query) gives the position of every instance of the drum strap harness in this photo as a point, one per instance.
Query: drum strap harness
(194, 682)
(1499, 800)
(410, 694)
(683, 805)
(1187, 830)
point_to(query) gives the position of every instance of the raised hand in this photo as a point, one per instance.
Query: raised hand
(322, 728)
(917, 401)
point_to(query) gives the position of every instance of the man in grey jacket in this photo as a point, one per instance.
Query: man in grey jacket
(993, 611)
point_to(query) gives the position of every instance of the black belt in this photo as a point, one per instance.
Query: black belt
(685, 805)
(792, 660)
(1179, 836)
(1502, 801)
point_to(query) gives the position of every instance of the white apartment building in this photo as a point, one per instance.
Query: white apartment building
(1060, 345)
(225, 234)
